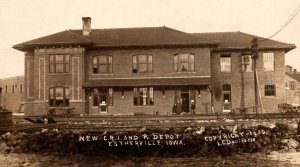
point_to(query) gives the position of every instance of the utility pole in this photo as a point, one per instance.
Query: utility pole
(254, 56)
(0, 95)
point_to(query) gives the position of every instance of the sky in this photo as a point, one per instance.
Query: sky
(23, 20)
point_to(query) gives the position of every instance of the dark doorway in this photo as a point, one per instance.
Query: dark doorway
(226, 98)
(185, 102)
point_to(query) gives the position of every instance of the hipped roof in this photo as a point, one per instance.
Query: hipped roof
(121, 37)
(240, 40)
(153, 36)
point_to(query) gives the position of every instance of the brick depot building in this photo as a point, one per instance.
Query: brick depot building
(149, 70)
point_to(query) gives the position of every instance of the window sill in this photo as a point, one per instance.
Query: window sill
(54, 74)
(103, 74)
(98, 107)
(182, 72)
(152, 106)
(137, 73)
(270, 97)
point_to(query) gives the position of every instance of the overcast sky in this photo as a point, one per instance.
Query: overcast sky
(23, 20)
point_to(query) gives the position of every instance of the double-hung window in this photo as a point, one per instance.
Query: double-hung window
(184, 62)
(269, 61)
(225, 62)
(142, 63)
(59, 64)
(59, 96)
(292, 85)
(102, 64)
(143, 96)
(270, 90)
(247, 65)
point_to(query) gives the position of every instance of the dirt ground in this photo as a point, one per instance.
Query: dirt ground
(275, 159)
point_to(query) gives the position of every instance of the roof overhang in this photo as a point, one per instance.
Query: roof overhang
(25, 47)
(159, 81)
(247, 49)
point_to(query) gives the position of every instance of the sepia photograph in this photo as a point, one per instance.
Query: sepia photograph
(150, 83)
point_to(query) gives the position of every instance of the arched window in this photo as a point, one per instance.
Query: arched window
(59, 96)
(102, 64)
(184, 62)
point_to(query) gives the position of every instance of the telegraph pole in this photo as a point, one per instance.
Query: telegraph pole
(254, 56)
(0, 95)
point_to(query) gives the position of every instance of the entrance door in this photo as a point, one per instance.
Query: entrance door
(103, 101)
(185, 102)
(226, 98)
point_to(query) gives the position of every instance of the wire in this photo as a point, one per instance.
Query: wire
(292, 16)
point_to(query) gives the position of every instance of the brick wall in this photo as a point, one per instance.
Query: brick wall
(12, 95)
(163, 66)
(163, 60)
(235, 78)
(162, 105)
(38, 79)
(292, 93)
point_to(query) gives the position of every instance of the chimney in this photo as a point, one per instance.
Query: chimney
(294, 71)
(86, 26)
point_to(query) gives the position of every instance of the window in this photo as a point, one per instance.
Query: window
(102, 95)
(269, 61)
(225, 62)
(102, 64)
(184, 62)
(5, 88)
(247, 64)
(292, 85)
(270, 90)
(142, 63)
(143, 96)
(59, 64)
(21, 88)
(59, 96)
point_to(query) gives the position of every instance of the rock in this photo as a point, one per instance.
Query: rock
(292, 150)
(258, 144)
(292, 143)
(292, 127)
(3, 147)
(284, 141)
(143, 129)
(282, 128)
(268, 125)
(267, 140)
(44, 131)
(187, 130)
(200, 131)
(6, 136)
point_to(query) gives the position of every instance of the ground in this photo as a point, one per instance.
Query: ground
(256, 159)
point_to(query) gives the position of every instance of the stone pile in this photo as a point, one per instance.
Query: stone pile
(201, 141)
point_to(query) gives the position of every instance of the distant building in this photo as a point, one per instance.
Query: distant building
(12, 93)
(150, 70)
(292, 86)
